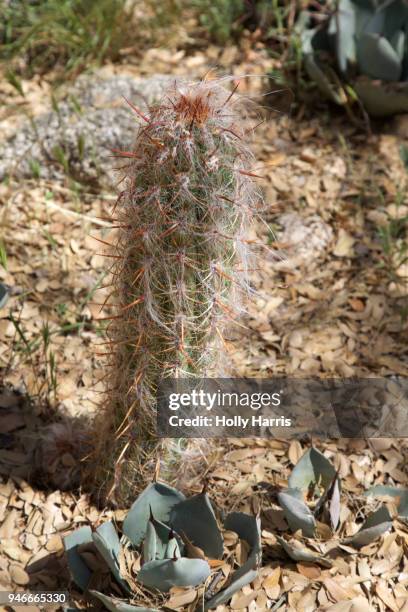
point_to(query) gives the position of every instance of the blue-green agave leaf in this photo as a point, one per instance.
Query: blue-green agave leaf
(115, 605)
(195, 517)
(369, 21)
(167, 537)
(157, 498)
(248, 528)
(371, 5)
(376, 524)
(297, 514)
(401, 495)
(345, 40)
(398, 44)
(377, 59)
(331, 500)
(334, 504)
(313, 468)
(108, 545)
(395, 17)
(81, 574)
(382, 99)
(163, 574)
(4, 295)
(317, 75)
(150, 543)
(226, 594)
(172, 549)
(321, 73)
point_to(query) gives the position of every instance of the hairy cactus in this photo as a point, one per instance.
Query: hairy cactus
(178, 262)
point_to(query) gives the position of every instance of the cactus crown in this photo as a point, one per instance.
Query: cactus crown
(180, 254)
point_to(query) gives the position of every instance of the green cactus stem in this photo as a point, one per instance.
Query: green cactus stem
(178, 265)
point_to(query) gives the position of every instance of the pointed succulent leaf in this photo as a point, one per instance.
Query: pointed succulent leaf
(163, 574)
(172, 549)
(235, 586)
(370, 5)
(165, 537)
(329, 503)
(382, 100)
(297, 514)
(377, 59)
(248, 528)
(400, 495)
(376, 524)
(4, 295)
(321, 73)
(345, 40)
(302, 22)
(369, 21)
(108, 545)
(157, 498)
(302, 554)
(150, 543)
(312, 468)
(195, 517)
(398, 44)
(334, 504)
(395, 18)
(326, 80)
(81, 574)
(115, 605)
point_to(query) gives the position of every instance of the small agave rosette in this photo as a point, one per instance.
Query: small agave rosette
(311, 506)
(168, 541)
(368, 42)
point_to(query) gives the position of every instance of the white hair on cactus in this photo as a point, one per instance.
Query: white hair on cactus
(180, 262)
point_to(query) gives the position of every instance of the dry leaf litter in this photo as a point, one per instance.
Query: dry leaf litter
(326, 307)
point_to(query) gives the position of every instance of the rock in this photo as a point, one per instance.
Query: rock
(77, 136)
(306, 238)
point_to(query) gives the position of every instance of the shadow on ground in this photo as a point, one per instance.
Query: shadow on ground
(41, 450)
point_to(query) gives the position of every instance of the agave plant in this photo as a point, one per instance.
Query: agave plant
(368, 39)
(173, 542)
(312, 499)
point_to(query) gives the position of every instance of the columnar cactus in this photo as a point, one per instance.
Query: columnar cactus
(178, 262)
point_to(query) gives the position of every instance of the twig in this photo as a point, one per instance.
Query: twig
(72, 213)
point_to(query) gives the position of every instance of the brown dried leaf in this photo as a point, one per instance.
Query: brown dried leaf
(309, 571)
(19, 575)
(180, 597)
(240, 601)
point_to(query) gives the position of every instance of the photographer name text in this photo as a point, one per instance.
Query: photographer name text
(236, 421)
